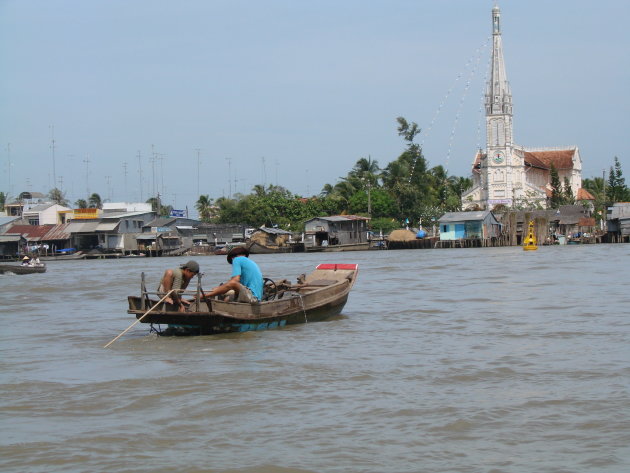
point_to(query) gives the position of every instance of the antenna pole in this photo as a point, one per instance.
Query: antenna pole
(140, 172)
(52, 147)
(198, 165)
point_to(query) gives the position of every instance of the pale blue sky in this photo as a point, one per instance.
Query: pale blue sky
(311, 87)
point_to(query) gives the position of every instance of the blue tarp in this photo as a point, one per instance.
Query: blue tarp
(66, 250)
(421, 234)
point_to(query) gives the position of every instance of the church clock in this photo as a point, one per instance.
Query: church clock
(498, 158)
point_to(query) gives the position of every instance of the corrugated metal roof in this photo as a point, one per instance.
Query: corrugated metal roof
(58, 232)
(107, 226)
(274, 231)
(339, 218)
(37, 208)
(160, 222)
(146, 237)
(8, 238)
(30, 232)
(122, 215)
(82, 227)
(5, 220)
(464, 216)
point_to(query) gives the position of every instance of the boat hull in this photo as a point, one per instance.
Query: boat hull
(18, 269)
(256, 248)
(322, 295)
(209, 323)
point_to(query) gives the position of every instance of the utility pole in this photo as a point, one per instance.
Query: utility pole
(161, 158)
(603, 199)
(369, 199)
(125, 179)
(52, 147)
(264, 172)
(229, 160)
(108, 182)
(87, 173)
(9, 166)
(152, 159)
(198, 166)
(140, 173)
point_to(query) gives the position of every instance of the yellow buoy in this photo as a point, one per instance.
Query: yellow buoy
(529, 243)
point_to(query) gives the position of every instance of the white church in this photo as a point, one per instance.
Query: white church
(507, 173)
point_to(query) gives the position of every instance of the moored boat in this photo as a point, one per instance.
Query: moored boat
(21, 269)
(256, 248)
(317, 296)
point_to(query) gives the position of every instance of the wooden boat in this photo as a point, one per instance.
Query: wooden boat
(332, 248)
(20, 269)
(256, 248)
(317, 296)
(64, 257)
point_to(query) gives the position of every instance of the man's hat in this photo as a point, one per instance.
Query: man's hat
(238, 251)
(192, 266)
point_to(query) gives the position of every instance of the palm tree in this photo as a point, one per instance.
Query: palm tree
(204, 207)
(326, 190)
(95, 202)
(58, 197)
(81, 204)
(366, 170)
(259, 190)
(407, 130)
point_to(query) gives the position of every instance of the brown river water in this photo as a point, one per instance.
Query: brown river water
(462, 360)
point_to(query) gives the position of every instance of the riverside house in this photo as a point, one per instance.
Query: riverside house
(476, 225)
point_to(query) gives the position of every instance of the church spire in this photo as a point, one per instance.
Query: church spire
(498, 93)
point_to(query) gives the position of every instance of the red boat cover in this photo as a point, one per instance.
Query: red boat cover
(335, 267)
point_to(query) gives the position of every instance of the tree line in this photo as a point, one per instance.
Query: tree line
(405, 191)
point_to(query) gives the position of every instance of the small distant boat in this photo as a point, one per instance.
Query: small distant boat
(530, 240)
(317, 296)
(22, 269)
(332, 248)
(257, 248)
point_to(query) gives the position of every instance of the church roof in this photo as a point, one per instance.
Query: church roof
(560, 158)
(583, 194)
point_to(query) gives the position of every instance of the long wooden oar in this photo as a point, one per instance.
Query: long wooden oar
(140, 319)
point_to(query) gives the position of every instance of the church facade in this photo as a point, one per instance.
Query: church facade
(506, 173)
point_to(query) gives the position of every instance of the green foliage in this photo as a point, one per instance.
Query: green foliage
(95, 202)
(81, 204)
(157, 206)
(617, 191)
(384, 224)
(204, 207)
(569, 198)
(3, 200)
(405, 188)
(557, 196)
(381, 203)
(58, 197)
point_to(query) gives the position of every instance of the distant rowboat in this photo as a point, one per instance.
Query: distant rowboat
(21, 269)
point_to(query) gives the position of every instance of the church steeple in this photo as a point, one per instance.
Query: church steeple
(498, 93)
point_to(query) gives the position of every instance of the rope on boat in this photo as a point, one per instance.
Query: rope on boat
(303, 308)
(140, 319)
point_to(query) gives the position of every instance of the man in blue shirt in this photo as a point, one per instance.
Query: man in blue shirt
(246, 280)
